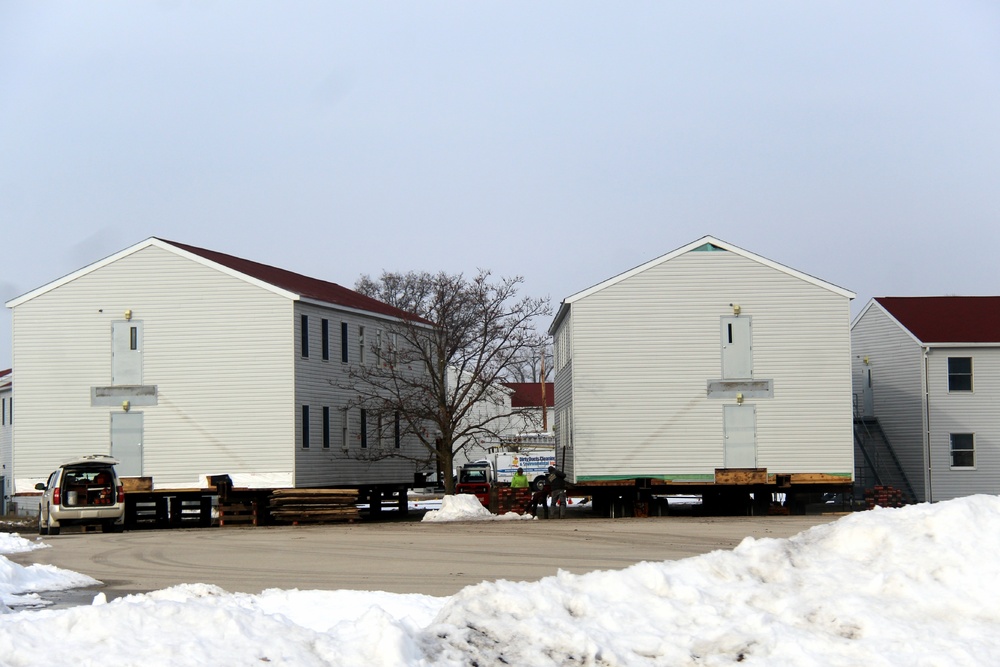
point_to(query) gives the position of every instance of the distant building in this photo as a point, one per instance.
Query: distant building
(536, 399)
(6, 434)
(185, 363)
(512, 413)
(709, 358)
(927, 374)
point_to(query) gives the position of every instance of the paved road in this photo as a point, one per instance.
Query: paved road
(396, 556)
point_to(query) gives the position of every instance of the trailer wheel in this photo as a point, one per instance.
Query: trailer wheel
(538, 483)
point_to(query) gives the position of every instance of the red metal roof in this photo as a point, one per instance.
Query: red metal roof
(529, 394)
(311, 288)
(947, 319)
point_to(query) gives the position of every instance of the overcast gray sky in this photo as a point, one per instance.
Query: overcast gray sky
(563, 141)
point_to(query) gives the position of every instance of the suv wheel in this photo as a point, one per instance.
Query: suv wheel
(43, 529)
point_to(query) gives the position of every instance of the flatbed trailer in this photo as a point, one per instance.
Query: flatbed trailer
(224, 505)
(733, 491)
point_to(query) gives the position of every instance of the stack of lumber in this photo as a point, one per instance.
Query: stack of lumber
(314, 505)
(884, 496)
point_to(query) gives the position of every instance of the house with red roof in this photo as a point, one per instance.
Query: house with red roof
(537, 400)
(927, 376)
(184, 363)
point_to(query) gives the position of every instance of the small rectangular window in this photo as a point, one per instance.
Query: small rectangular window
(396, 432)
(326, 427)
(343, 342)
(959, 373)
(393, 348)
(345, 431)
(133, 338)
(305, 336)
(364, 428)
(963, 450)
(361, 345)
(3, 418)
(325, 330)
(378, 345)
(305, 426)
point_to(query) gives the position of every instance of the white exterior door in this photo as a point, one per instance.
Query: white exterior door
(740, 426)
(126, 353)
(126, 442)
(737, 358)
(867, 398)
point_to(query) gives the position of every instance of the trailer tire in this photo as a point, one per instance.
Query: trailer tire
(538, 483)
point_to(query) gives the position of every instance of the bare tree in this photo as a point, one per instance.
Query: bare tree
(442, 367)
(534, 363)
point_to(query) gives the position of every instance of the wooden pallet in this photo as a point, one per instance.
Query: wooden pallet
(238, 514)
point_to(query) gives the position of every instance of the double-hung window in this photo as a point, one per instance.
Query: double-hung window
(963, 450)
(959, 373)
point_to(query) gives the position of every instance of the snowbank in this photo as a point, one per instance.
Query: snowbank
(915, 586)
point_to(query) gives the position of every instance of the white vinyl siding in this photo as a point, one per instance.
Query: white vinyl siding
(6, 431)
(208, 338)
(895, 362)
(643, 349)
(224, 353)
(324, 384)
(972, 412)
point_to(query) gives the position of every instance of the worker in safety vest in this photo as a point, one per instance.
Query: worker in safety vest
(519, 480)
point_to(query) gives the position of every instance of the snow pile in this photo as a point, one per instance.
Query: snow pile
(19, 585)
(12, 543)
(466, 507)
(914, 586)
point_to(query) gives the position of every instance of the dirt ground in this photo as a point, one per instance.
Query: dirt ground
(401, 556)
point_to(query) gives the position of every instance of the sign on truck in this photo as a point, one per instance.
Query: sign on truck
(535, 463)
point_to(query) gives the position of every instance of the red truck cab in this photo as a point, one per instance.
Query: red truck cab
(476, 478)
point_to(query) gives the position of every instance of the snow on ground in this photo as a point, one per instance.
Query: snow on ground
(20, 586)
(918, 586)
(466, 507)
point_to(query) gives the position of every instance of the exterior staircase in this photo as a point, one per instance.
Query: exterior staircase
(875, 461)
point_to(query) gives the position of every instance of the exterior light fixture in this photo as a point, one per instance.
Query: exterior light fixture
(126, 406)
(739, 399)
(736, 308)
(128, 314)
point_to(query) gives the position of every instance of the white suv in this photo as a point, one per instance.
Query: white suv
(85, 491)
